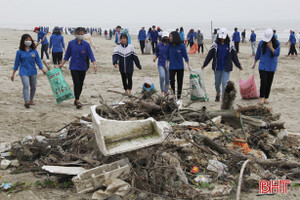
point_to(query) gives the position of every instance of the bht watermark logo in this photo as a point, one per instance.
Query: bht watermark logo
(280, 186)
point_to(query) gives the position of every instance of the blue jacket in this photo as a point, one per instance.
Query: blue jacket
(78, 54)
(142, 35)
(161, 52)
(181, 36)
(57, 41)
(230, 57)
(175, 56)
(267, 63)
(26, 61)
(253, 37)
(125, 55)
(116, 38)
(41, 35)
(236, 37)
(154, 35)
(292, 38)
(191, 37)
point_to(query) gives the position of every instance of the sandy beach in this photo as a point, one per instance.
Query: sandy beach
(17, 122)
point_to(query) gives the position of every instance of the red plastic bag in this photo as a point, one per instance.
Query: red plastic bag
(193, 49)
(248, 88)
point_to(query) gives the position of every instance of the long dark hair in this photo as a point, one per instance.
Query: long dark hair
(274, 44)
(176, 38)
(22, 45)
(227, 39)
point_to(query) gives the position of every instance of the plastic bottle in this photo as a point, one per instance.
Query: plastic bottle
(6, 154)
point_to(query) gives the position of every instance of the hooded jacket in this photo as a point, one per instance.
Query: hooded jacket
(125, 55)
(230, 57)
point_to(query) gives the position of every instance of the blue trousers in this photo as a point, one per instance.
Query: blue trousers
(29, 81)
(221, 77)
(164, 79)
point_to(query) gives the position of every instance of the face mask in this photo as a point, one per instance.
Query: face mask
(166, 40)
(79, 37)
(27, 43)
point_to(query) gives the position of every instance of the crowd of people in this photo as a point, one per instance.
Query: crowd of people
(170, 49)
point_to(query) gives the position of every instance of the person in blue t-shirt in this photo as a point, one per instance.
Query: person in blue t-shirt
(236, 39)
(176, 53)
(78, 50)
(267, 53)
(223, 54)
(292, 41)
(42, 36)
(26, 59)
(154, 38)
(142, 38)
(253, 41)
(161, 54)
(57, 45)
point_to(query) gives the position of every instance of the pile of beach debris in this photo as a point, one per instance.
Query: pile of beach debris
(201, 155)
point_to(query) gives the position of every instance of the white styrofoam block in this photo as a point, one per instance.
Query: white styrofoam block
(115, 136)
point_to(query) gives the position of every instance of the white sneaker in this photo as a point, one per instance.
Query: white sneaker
(47, 61)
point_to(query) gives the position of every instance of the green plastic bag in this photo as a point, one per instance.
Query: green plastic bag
(197, 87)
(59, 86)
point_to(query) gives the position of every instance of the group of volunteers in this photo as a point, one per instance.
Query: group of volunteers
(169, 49)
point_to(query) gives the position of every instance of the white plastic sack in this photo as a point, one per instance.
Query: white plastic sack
(197, 85)
(147, 48)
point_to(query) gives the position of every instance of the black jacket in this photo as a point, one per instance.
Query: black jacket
(231, 57)
(125, 55)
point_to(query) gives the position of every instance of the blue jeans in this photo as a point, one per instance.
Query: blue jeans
(164, 79)
(221, 77)
(29, 81)
(253, 48)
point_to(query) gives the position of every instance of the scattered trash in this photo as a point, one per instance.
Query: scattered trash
(92, 179)
(221, 190)
(195, 170)
(113, 187)
(64, 170)
(202, 178)
(5, 163)
(15, 163)
(4, 146)
(6, 186)
(6, 154)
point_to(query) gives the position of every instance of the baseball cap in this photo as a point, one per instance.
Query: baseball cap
(268, 35)
(36, 28)
(222, 33)
(165, 34)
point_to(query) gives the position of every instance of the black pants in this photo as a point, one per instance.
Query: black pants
(57, 57)
(78, 79)
(191, 44)
(292, 50)
(200, 46)
(127, 80)
(44, 49)
(154, 45)
(87, 59)
(236, 45)
(266, 79)
(142, 45)
(180, 74)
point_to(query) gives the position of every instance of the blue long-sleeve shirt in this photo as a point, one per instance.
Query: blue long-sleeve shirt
(236, 37)
(162, 52)
(267, 63)
(181, 36)
(191, 37)
(142, 35)
(292, 38)
(26, 61)
(175, 56)
(221, 56)
(78, 54)
(57, 41)
(118, 38)
(41, 35)
(154, 35)
(253, 37)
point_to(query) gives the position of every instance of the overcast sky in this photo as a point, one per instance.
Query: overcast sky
(99, 13)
